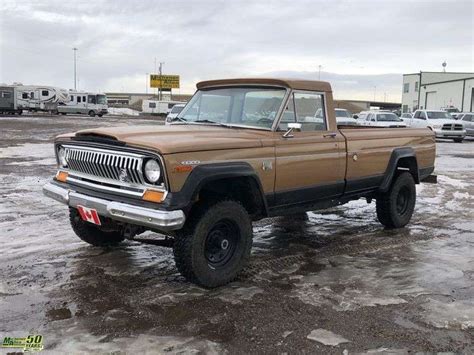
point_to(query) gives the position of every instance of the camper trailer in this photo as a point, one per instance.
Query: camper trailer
(156, 107)
(85, 103)
(40, 98)
(7, 100)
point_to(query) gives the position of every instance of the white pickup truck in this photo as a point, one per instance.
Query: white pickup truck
(441, 122)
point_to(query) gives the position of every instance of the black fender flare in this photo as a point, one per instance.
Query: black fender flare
(397, 154)
(205, 173)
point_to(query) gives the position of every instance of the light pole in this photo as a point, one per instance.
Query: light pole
(75, 61)
(146, 83)
(375, 91)
(161, 72)
(319, 72)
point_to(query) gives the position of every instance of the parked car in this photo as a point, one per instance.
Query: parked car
(343, 117)
(382, 119)
(174, 113)
(453, 111)
(241, 151)
(441, 122)
(467, 119)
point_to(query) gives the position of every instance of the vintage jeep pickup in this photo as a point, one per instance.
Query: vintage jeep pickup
(241, 150)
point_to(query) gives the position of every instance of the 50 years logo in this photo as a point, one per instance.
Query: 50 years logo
(29, 343)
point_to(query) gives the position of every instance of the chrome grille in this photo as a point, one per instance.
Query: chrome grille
(452, 127)
(123, 167)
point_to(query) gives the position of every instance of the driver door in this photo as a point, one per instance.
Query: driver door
(310, 162)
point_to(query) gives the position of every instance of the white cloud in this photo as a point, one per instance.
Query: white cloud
(118, 41)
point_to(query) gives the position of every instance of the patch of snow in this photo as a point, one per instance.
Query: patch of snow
(122, 111)
(326, 337)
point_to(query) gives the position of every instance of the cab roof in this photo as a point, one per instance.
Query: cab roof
(297, 84)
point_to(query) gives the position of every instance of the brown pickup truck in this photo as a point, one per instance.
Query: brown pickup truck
(241, 150)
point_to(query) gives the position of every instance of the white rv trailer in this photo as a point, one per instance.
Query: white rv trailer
(156, 107)
(39, 98)
(85, 103)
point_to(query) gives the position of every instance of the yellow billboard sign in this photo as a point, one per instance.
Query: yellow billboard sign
(164, 81)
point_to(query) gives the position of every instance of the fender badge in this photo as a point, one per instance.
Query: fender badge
(190, 162)
(355, 157)
(267, 165)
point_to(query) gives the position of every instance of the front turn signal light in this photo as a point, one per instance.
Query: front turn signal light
(153, 196)
(61, 176)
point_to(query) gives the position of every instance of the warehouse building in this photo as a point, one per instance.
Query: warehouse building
(438, 90)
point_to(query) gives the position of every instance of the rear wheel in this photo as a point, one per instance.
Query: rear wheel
(395, 207)
(91, 113)
(214, 245)
(92, 234)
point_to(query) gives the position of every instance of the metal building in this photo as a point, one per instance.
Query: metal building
(437, 90)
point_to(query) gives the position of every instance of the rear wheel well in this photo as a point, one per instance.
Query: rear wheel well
(409, 164)
(245, 190)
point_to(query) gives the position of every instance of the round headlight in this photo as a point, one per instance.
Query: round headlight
(62, 157)
(152, 171)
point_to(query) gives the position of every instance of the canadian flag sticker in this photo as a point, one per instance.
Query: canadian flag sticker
(89, 215)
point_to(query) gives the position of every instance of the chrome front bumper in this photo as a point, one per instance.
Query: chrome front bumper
(449, 134)
(160, 220)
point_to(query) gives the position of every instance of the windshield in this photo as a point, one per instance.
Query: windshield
(387, 117)
(243, 106)
(177, 109)
(101, 99)
(452, 110)
(342, 113)
(438, 115)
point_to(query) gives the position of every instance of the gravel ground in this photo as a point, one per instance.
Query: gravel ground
(330, 281)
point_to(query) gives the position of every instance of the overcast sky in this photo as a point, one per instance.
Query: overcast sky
(362, 46)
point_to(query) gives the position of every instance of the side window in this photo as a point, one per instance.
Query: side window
(417, 114)
(72, 98)
(152, 105)
(32, 95)
(170, 106)
(467, 118)
(78, 99)
(309, 109)
(373, 118)
(24, 95)
(406, 87)
(91, 99)
(83, 99)
(422, 115)
(44, 93)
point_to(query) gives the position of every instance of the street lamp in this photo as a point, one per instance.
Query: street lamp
(75, 69)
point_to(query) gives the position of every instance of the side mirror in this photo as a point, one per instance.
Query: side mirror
(291, 126)
(355, 116)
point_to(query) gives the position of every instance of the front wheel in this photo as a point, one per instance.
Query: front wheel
(458, 140)
(395, 207)
(91, 113)
(214, 245)
(92, 234)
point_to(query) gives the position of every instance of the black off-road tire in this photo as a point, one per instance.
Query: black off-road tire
(92, 234)
(395, 207)
(458, 140)
(91, 113)
(195, 246)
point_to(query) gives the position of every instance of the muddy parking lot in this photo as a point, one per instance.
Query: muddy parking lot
(327, 282)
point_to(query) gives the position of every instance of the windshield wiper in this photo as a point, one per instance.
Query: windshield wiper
(212, 122)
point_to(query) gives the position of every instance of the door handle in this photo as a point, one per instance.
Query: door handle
(330, 135)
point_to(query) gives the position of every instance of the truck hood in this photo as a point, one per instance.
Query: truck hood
(180, 138)
(442, 121)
